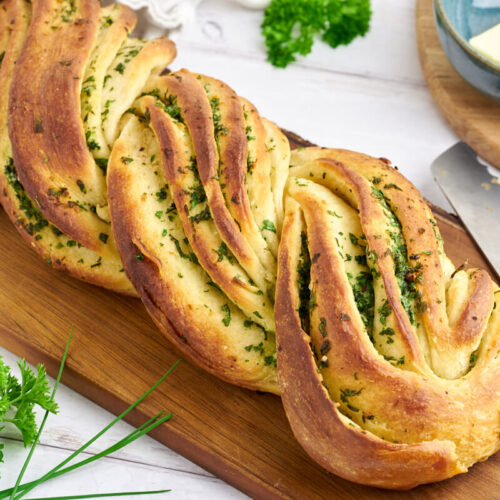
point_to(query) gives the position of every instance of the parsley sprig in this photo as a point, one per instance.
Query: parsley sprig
(18, 399)
(290, 26)
(33, 389)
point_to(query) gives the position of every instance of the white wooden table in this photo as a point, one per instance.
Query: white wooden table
(369, 96)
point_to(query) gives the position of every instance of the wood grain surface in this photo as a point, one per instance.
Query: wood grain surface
(117, 353)
(473, 116)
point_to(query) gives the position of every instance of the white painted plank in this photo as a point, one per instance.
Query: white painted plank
(388, 51)
(369, 96)
(112, 475)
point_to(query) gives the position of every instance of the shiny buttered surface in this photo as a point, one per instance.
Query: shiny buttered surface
(69, 72)
(196, 183)
(319, 273)
(387, 356)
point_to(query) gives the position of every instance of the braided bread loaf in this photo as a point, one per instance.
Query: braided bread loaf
(387, 357)
(72, 72)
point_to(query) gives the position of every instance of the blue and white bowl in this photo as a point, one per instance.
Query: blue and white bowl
(457, 21)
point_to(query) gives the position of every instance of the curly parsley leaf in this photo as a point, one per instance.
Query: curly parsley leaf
(18, 398)
(290, 26)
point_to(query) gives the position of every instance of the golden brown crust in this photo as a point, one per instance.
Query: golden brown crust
(157, 297)
(58, 127)
(373, 375)
(15, 16)
(199, 235)
(450, 352)
(372, 217)
(192, 97)
(44, 113)
(338, 445)
(53, 246)
(367, 403)
(387, 359)
(191, 257)
(174, 287)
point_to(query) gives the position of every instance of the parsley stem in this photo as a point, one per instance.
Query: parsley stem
(102, 495)
(42, 425)
(52, 472)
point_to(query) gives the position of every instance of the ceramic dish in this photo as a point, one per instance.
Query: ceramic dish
(457, 21)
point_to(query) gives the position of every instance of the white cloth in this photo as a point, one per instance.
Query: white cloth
(167, 14)
(173, 15)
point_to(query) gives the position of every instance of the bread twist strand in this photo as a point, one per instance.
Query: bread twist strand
(63, 119)
(205, 260)
(362, 282)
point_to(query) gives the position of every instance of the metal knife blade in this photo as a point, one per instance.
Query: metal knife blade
(474, 194)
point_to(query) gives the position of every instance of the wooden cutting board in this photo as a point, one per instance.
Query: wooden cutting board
(117, 353)
(473, 116)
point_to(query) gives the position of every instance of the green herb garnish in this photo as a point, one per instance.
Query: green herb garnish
(290, 26)
(38, 129)
(20, 490)
(268, 225)
(21, 397)
(227, 312)
(120, 68)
